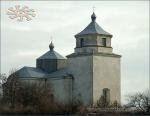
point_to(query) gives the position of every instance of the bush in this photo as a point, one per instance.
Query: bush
(37, 97)
(19, 97)
(101, 103)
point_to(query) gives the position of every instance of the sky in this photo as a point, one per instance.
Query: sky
(59, 21)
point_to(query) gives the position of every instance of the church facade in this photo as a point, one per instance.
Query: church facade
(92, 71)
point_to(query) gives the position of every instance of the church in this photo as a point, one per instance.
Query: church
(92, 71)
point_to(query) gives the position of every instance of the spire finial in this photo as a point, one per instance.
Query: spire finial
(51, 45)
(93, 16)
(93, 8)
(51, 38)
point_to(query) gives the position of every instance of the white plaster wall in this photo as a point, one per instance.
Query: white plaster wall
(99, 41)
(86, 49)
(106, 74)
(37, 81)
(105, 50)
(61, 63)
(108, 42)
(90, 40)
(81, 68)
(94, 49)
(62, 89)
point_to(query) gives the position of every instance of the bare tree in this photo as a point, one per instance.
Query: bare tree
(27, 97)
(3, 78)
(10, 88)
(140, 101)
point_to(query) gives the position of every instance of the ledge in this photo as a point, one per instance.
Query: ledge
(93, 54)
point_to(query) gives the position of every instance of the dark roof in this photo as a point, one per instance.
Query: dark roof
(93, 28)
(30, 72)
(51, 55)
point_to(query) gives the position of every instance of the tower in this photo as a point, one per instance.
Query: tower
(51, 61)
(93, 39)
(95, 67)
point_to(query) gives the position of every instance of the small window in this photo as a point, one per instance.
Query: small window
(106, 95)
(104, 42)
(82, 42)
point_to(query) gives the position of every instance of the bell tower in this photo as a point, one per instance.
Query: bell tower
(93, 39)
(95, 68)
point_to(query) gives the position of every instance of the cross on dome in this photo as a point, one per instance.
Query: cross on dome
(93, 8)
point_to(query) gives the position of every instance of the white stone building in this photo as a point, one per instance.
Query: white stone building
(92, 71)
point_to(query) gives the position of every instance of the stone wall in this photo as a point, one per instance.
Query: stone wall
(61, 87)
(106, 74)
(61, 63)
(81, 68)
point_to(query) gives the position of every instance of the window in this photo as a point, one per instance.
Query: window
(104, 42)
(106, 95)
(82, 42)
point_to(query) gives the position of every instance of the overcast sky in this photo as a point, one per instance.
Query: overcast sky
(23, 42)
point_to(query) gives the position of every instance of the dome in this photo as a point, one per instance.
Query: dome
(51, 54)
(93, 28)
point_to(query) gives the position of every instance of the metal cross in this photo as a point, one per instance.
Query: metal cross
(93, 8)
(51, 38)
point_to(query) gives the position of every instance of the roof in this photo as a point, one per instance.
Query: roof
(51, 55)
(93, 28)
(30, 72)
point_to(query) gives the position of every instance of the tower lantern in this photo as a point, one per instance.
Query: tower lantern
(93, 39)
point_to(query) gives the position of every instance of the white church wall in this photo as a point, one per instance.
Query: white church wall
(104, 50)
(62, 89)
(106, 74)
(61, 63)
(86, 49)
(30, 80)
(99, 41)
(81, 68)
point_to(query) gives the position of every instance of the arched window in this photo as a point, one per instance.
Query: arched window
(104, 42)
(81, 42)
(106, 95)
